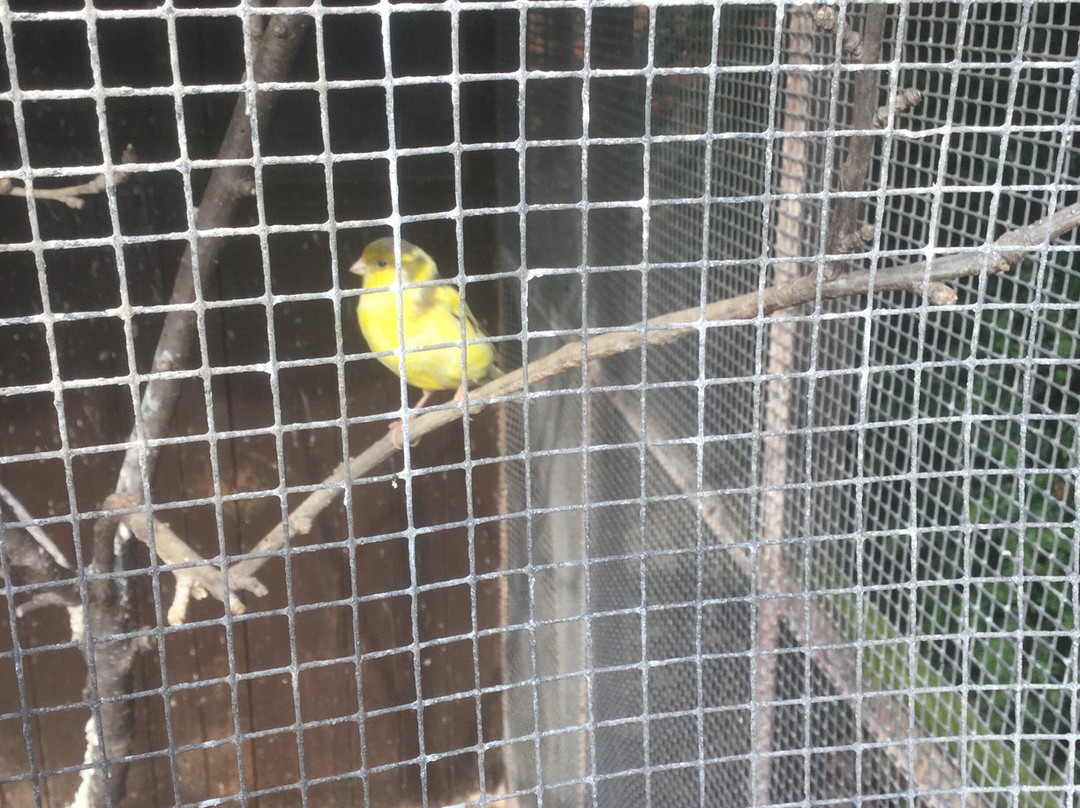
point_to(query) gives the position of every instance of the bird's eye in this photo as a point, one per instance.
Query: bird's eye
(383, 262)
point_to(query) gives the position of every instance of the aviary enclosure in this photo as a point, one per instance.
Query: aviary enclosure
(774, 504)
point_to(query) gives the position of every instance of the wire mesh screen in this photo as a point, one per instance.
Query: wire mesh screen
(768, 497)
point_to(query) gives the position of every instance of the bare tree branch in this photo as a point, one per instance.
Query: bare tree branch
(109, 662)
(228, 184)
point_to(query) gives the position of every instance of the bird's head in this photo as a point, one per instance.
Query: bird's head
(376, 265)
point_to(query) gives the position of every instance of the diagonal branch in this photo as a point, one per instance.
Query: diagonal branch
(52, 584)
(19, 511)
(1008, 250)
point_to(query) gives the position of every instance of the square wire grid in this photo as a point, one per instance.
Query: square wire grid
(913, 467)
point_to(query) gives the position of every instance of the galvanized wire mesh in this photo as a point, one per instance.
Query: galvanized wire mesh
(820, 556)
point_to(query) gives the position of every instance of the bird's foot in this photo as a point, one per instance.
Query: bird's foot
(397, 434)
(397, 429)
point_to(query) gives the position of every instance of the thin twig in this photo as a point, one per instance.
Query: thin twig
(34, 559)
(30, 564)
(72, 195)
(33, 530)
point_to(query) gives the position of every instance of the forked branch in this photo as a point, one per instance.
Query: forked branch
(926, 277)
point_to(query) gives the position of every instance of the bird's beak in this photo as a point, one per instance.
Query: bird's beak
(360, 268)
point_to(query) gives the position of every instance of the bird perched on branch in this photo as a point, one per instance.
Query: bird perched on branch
(431, 316)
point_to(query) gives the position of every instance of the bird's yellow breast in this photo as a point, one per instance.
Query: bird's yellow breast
(431, 316)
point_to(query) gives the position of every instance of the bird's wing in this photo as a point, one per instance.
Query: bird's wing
(448, 299)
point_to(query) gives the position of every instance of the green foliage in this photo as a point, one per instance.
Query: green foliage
(1001, 621)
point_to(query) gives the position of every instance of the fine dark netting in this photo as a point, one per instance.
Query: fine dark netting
(878, 486)
(775, 504)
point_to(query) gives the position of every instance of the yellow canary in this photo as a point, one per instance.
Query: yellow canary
(431, 315)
